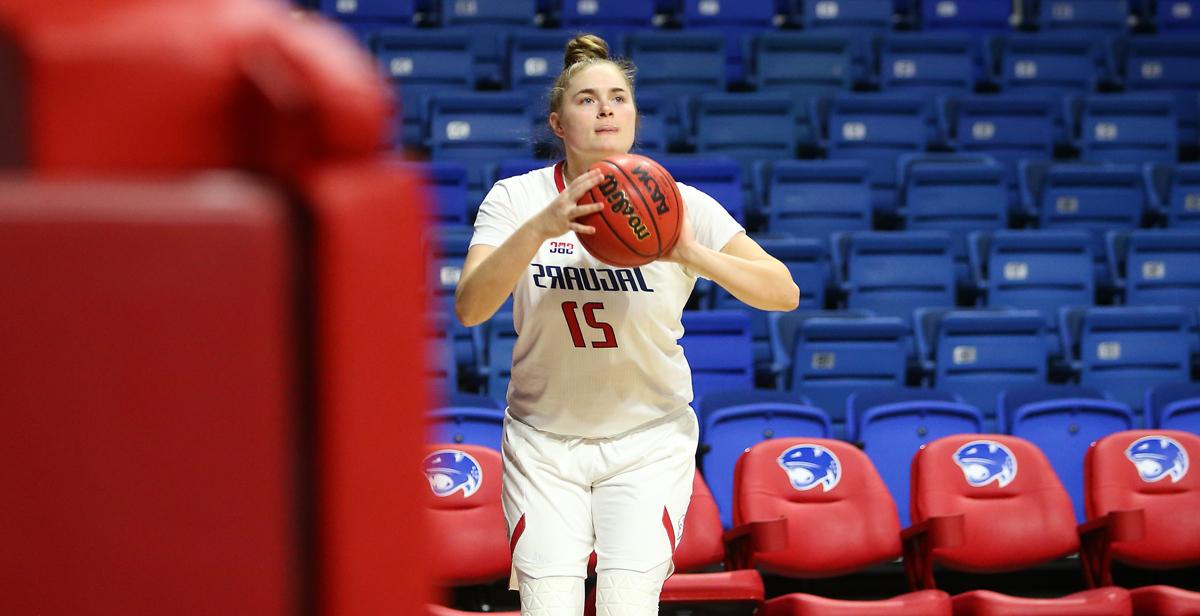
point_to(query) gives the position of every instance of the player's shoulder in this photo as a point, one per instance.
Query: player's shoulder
(537, 178)
(694, 197)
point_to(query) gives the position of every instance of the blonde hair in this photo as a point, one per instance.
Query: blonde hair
(583, 51)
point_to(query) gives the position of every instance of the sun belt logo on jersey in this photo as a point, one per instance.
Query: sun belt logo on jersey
(983, 462)
(1158, 456)
(808, 466)
(451, 470)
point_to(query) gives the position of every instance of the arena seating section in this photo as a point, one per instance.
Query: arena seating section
(992, 208)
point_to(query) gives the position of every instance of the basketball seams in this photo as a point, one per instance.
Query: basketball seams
(649, 213)
(608, 224)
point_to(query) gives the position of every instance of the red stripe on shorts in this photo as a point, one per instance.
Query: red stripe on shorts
(512, 544)
(670, 528)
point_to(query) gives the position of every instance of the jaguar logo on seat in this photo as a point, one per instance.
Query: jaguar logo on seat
(983, 462)
(1156, 457)
(451, 470)
(808, 466)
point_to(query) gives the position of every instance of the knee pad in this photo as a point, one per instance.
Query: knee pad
(551, 596)
(620, 592)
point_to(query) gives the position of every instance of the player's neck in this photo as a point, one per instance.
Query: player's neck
(578, 163)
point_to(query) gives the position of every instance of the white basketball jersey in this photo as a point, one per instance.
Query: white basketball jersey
(596, 353)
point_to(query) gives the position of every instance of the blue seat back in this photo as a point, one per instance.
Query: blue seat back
(1049, 63)
(678, 66)
(535, 59)
(580, 14)
(1040, 270)
(807, 63)
(479, 129)
(1163, 268)
(812, 199)
(717, 176)
(472, 425)
(846, 14)
(955, 196)
(809, 263)
(1092, 197)
(420, 64)
(965, 14)
(1133, 128)
(928, 63)
(501, 338)
(441, 368)
(746, 127)
(891, 433)
(1183, 197)
(1177, 15)
(979, 354)
(1006, 127)
(395, 11)
(717, 345)
(1127, 350)
(893, 274)
(446, 183)
(1064, 428)
(476, 12)
(1093, 15)
(833, 358)
(1174, 406)
(731, 430)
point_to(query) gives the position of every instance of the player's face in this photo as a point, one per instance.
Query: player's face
(597, 117)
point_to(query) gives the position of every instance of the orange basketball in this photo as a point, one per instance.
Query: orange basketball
(640, 222)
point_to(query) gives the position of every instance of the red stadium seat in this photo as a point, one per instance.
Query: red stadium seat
(1014, 514)
(837, 514)
(467, 531)
(1147, 471)
(701, 548)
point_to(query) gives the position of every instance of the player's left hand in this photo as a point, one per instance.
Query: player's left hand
(684, 247)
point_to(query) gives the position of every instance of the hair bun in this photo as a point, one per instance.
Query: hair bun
(585, 47)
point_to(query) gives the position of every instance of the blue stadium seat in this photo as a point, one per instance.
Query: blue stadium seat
(929, 63)
(447, 248)
(1048, 63)
(534, 61)
(1175, 193)
(878, 129)
(1083, 15)
(501, 337)
(717, 346)
(488, 24)
(473, 424)
(1063, 421)
(1157, 267)
(446, 183)
(785, 329)
(747, 127)
(1128, 349)
(1035, 270)
(609, 19)
(813, 198)
(478, 129)
(510, 167)
(834, 358)
(809, 63)
(978, 354)
(956, 195)
(419, 64)
(845, 14)
(365, 17)
(441, 368)
(651, 139)
(735, 421)
(1173, 406)
(1168, 65)
(1095, 198)
(974, 15)
(1128, 128)
(736, 20)
(891, 424)
(718, 177)
(1177, 15)
(808, 262)
(892, 274)
(678, 66)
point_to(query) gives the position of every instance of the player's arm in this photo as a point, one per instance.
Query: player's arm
(742, 267)
(490, 273)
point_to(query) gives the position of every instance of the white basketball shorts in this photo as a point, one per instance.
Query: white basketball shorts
(623, 497)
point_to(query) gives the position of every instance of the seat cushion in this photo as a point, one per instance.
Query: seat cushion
(1108, 600)
(1165, 601)
(745, 585)
(922, 603)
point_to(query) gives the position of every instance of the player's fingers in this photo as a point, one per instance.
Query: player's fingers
(580, 185)
(584, 210)
(584, 229)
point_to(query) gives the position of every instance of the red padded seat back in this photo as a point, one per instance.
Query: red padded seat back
(468, 536)
(701, 545)
(1149, 470)
(1015, 510)
(840, 515)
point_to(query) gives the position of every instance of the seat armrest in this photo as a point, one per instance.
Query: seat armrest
(1096, 537)
(918, 542)
(744, 540)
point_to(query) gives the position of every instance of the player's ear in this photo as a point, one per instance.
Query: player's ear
(555, 123)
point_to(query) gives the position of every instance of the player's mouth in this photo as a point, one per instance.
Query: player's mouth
(605, 130)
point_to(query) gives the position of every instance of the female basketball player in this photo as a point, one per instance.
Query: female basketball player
(599, 440)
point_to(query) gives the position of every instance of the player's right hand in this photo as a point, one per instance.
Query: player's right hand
(559, 217)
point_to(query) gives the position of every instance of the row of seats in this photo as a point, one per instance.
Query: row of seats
(828, 357)
(970, 497)
(954, 193)
(677, 67)
(1051, 15)
(889, 423)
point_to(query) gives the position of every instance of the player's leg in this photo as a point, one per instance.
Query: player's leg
(548, 512)
(638, 513)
